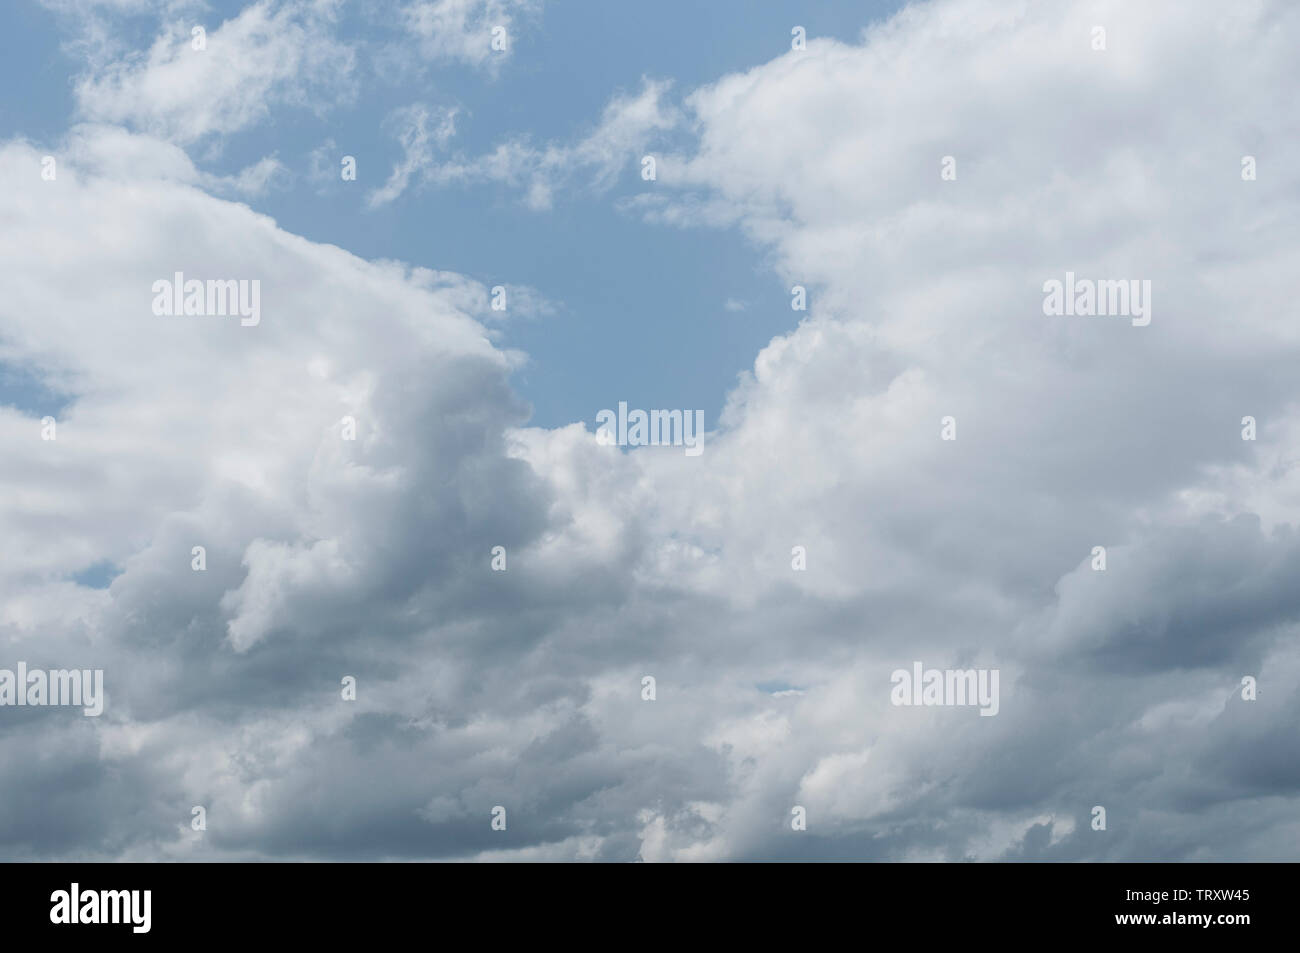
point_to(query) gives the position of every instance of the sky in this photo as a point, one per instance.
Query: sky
(634, 293)
(431, 589)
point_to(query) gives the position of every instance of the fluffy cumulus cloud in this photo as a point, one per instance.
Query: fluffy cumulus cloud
(371, 557)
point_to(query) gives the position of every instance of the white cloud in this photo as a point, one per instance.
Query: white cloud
(463, 30)
(626, 127)
(420, 129)
(926, 301)
(270, 54)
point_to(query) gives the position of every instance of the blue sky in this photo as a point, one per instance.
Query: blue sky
(640, 308)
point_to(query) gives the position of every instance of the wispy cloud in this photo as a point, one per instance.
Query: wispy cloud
(626, 127)
(420, 130)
